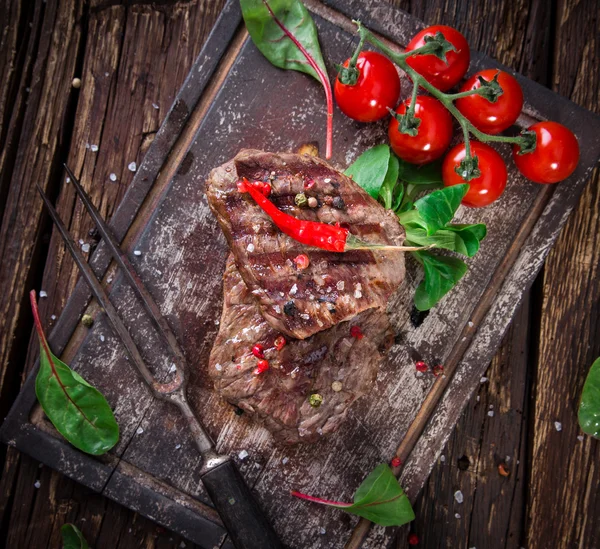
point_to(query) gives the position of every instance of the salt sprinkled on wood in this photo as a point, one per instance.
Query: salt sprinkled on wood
(37, 484)
(442, 458)
(457, 515)
(43, 293)
(558, 426)
(137, 252)
(139, 431)
(458, 496)
(132, 167)
(85, 248)
(483, 379)
(285, 460)
(52, 317)
(243, 455)
(491, 413)
(113, 176)
(94, 148)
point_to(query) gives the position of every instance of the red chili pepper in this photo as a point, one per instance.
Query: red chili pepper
(311, 233)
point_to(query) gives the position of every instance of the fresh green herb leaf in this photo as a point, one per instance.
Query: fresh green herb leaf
(386, 192)
(428, 174)
(463, 239)
(79, 412)
(589, 407)
(72, 538)
(286, 35)
(438, 208)
(379, 499)
(441, 275)
(369, 170)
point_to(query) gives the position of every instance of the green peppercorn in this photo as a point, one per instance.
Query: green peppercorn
(301, 200)
(315, 400)
(87, 321)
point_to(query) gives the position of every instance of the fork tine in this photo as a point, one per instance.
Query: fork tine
(101, 296)
(131, 274)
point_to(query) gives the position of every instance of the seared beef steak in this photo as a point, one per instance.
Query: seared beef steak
(336, 286)
(279, 397)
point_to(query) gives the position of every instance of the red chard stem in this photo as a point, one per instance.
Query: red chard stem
(320, 500)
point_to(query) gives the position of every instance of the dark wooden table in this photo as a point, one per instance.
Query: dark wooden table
(132, 57)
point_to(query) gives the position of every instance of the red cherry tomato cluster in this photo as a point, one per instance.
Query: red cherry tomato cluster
(430, 129)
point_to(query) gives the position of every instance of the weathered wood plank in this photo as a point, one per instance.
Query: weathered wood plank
(564, 506)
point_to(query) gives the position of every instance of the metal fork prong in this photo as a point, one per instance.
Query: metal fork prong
(102, 297)
(131, 275)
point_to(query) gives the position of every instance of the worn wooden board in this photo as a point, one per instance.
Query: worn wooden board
(177, 244)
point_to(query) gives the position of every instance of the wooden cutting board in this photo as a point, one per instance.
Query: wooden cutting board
(234, 98)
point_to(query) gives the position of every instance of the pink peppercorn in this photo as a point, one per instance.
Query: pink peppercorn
(413, 539)
(438, 370)
(258, 351)
(279, 343)
(262, 366)
(356, 332)
(421, 366)
(396, 462)
(301, 261)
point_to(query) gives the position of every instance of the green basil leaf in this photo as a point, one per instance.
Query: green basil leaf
(79, 412)
(441, 275)
(463, 239)
(72, 538)
(274, 43)
(381, 499)
(589, 407)
(429, 174)
(369, 170)
(386, 192)
(438, 208)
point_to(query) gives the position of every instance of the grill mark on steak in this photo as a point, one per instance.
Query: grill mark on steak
(359, 280)
(278, 398)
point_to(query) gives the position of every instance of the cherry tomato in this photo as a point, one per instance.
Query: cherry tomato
(555, 156)
(491, 117)
(442, 75)
(486, 188)
(434, 132)
(377, 88)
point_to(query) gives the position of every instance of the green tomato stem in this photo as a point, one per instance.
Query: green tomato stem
(354, 58)
(413, 101)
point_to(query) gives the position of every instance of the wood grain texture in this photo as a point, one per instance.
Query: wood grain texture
(95, 114)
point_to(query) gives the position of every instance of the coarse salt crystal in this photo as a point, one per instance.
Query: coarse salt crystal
(580, 438)
(250, 247)
(137, 252)
(478, 398)
(85, 248)
(94, 148)
(277, 309)
(172, 368)
(305, 316)
(139, 431)
(322, 531)
(177, 446)
(87, 145)
(470, 324)
(558, 426)
(102, 338)
(132, 167)
(442, 458)
(67, 180)
(285, 460)
(52, 317)
(491, 406)
(293, 289)
(43, 293)
(37, 483)
(327, 180)
(340, 285)
(457, 515)
(218, 367)
(243, 455)
(113, 176)
(357, 294)
(458, 496)
(483, 379)
(155, 105)
(491, 413)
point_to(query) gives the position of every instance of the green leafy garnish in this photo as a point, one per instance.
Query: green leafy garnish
(379, 499)
(589, 407)
(79, 412)
(441, 275)
(72, 537)
(370, 169)
(427, 220)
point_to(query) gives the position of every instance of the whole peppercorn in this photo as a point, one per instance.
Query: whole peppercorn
(315, 400)
(313, 202)
(301, 200)
(413, 539)
(87, 320)
(338, 203)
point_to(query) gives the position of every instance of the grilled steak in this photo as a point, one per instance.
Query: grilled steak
(335, 287)
(334, 364)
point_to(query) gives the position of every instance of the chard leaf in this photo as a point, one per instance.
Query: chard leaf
(72, 538)
(286, 35)
(589, 407)
(79, 412)
(369, 170)
(379, 499)
(438, 208)
(441, 275)
(386, 192)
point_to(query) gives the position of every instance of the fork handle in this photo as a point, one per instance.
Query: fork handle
(245, 522)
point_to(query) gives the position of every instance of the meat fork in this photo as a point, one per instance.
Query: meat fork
(245, 523)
